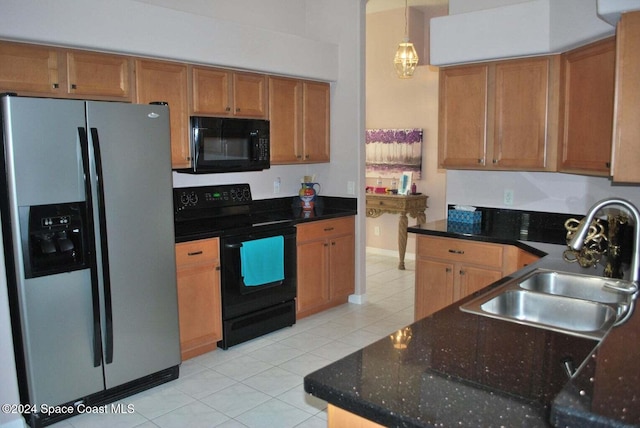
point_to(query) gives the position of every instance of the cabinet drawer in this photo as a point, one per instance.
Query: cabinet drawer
(325, 228)
(458, 250)
(385, 203)
(202, 251)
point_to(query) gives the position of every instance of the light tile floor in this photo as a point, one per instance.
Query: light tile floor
(259, 383)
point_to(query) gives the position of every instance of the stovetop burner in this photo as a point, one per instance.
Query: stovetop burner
(220, 209)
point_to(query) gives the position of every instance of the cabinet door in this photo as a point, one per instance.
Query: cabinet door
(520, 115)
(250, 95)
(199, 309)
(473, 279)
(199, 303)
(342, 266)
(313, 280)
(27, 69)
(626, 126)
(315, 118)
(211, 91)
(285, 114)
(462, 116)
(434, 286)
(589, 76)
(98, 75)
(164, 81)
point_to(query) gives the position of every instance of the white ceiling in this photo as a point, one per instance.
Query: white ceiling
(382, 5)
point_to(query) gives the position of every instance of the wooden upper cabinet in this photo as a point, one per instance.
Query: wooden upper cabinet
(96, 75)
(521, 103)
(41, 70)
(211, 91)
(250, 95)
(30, 70)
(626, 123)
(315, 119)
(299, 115)
(285, 105)
(462, 116)
(167, 82)
(589, 77)
(226, 93)
(500, 115)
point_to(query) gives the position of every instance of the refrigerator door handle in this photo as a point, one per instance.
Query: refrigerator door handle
(95, 296)
(102, 221)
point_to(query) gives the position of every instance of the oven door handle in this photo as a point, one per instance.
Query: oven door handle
(233, 245)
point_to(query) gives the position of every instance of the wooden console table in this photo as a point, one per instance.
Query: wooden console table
(413, 205)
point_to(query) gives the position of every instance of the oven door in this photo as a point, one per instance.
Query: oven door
(240, 297)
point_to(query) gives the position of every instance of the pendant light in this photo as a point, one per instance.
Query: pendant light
(406, 58)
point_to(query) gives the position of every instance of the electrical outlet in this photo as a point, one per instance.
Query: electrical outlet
(376, 230)
(351, 187)
(276, 185)
(508, 197)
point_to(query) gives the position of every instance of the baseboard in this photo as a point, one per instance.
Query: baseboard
(358, 299)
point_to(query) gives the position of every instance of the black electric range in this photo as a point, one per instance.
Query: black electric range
(220, 210)
(250, 307)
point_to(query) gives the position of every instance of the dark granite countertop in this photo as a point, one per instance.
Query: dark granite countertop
(461, 369)
(283, 211)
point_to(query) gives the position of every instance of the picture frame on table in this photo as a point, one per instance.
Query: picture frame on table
(404, 187)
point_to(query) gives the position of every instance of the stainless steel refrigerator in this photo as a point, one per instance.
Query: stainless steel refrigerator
(87, 221)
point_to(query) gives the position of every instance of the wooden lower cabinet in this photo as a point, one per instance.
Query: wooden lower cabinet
(326, 264)
(449, 269)
(339, 418)
(200, 312)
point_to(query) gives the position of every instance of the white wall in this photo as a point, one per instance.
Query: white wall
(392, 102)
(314, 39)
(535, 191)
(527, 28)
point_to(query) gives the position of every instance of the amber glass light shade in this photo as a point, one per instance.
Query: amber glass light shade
(406, 59)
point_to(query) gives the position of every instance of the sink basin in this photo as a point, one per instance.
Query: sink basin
(574, 285)
(555, 312)
(573, 304)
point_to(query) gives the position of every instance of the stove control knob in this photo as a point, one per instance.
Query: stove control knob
(184, 198)
(193, 198)
(189, 199)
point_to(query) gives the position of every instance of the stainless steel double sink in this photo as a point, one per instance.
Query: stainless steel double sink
(575, 304)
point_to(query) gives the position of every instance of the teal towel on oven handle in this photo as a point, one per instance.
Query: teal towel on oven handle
(262, 261)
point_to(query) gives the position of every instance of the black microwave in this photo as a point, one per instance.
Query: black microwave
(228, 145)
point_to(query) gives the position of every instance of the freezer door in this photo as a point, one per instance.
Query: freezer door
(60, 341)
(43, 166)
(137, 241)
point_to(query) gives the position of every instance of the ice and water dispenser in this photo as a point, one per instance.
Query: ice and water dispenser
(55, 240)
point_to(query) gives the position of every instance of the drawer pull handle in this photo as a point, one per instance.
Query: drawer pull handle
(456, 251)
(328, 229)
(195, 253)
